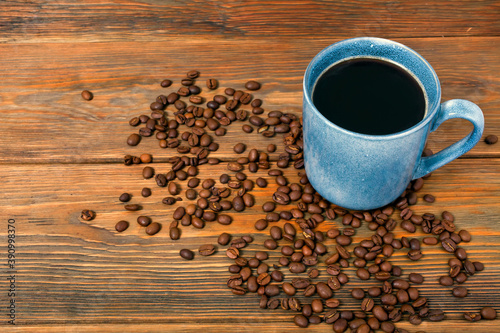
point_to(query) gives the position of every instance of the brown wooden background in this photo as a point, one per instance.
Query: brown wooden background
(60, 154)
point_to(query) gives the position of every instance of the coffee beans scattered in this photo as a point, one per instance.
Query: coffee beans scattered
(189, 121)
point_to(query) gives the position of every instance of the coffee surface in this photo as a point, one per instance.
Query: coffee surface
(369, 96)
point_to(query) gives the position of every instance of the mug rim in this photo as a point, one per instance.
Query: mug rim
(431, 109)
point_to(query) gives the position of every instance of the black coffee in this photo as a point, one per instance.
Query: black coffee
(369, 96)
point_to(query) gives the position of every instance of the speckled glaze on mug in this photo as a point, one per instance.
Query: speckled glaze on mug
(361, 171)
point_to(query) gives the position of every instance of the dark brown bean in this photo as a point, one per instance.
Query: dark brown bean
(488, 313)
(153, 228)
(121, 226)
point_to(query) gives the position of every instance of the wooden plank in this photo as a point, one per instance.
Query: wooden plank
(44, 119)
(124, 20)
(70, 272)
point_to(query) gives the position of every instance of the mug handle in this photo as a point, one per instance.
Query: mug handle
(455, 108)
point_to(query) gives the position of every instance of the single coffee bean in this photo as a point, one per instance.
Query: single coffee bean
(416, 278)
(212, 84)
(88, 96)
(479, 266)
(472, 316)
(357, 293)
(323, 290)
(132, 207)
(252, 85)
(430, 240)
(224, 239)
(449, 245)
(445, 281)
(207, 250)
(363, 274)
(435, 315)
(87, 215)
(133, 139)
(121, 226)
(488, 313)
(125, 197)
(459, 292)
(464, 235)
(239, 148)
(166, 83)
(367, 304)
(232, 253)
(491, 139)
(301, 321)
(146, 192)
(186, 254)
(144, 220)
(153, 228)
(340, 325)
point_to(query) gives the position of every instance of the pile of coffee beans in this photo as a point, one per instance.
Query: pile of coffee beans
(309, 271)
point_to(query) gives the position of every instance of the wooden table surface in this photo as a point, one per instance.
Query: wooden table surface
(60, 154)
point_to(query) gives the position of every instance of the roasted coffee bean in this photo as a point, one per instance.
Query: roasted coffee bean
(464, 235)
(379, 313)
(488, 313)
(429, 198)
(87, 215)
(414, 254)
(232, 253)
(472, 316)
(301, 321)
(323, 290)
(446, 281)
(252, 85)
(186, 254)
(449, 245)
(239, 148)
(357, 293)
(207, 250)
(153, 228)
(144, 220)
(430, 240)
(121, 226)
(270, 244)
(88, 96)
(435, 315)
(174, 233)
(479, 266)
(212, 84)
(161, 180)
(166, 83)
(362, 273)
(415, 319)
(146, 192)
(133, 207)
(491, 139)
(459, 292)
(461, 277)
(133, 139)
(416, 278)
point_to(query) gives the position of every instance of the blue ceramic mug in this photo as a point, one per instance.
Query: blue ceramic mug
(362, 171)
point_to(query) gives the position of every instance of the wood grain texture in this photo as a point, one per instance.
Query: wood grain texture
(124, 20)
(72, 272)
(60, 154)
(42, 107)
